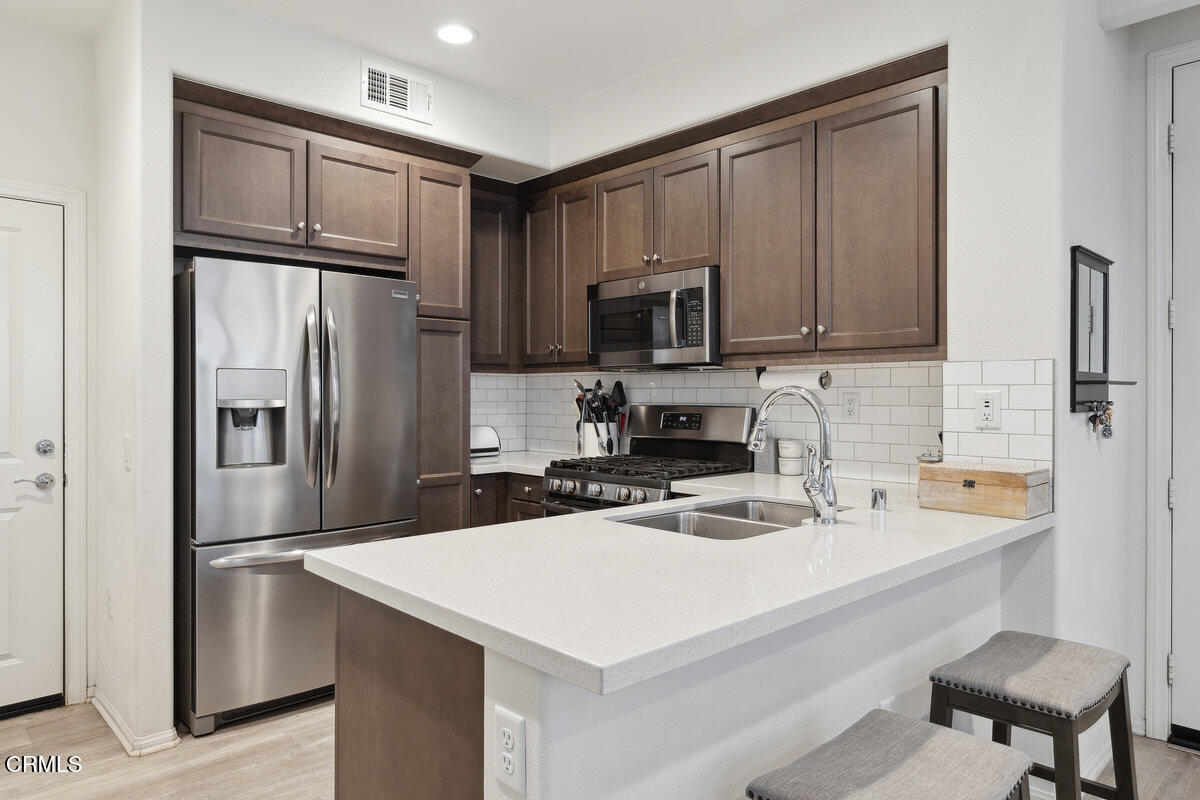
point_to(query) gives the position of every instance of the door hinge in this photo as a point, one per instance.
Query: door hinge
(1171, 493)
(1171, 138)
(1170, 669)
(1171, 314)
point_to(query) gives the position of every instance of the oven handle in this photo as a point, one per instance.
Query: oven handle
(672, 322)
(562, 508)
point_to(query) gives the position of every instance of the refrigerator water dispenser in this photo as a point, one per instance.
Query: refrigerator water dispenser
(251, 406)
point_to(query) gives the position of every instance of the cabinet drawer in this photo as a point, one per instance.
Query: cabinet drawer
(525, 487)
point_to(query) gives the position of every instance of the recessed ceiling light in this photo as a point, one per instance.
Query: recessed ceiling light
(456, 34)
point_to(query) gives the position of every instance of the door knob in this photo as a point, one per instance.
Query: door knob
(43, 480)
(44, 447)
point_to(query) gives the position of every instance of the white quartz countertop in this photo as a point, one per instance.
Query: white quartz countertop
(603, 604)
(522, 462)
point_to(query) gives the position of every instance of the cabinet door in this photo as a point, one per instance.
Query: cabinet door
(439, 249)
(686, 215)
(577, 270)
(539, 283)
(491, 237)
(767, 246)
(519, 511)
(443, 420)
(877, 225)
(625, 225)
(358, 202)
(242, 182)
(483, 500)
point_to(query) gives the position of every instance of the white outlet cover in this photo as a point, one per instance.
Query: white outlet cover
(987, 409)
(509, 745)
(850, 405)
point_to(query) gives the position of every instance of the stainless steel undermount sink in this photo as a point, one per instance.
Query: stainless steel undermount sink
(740, 519)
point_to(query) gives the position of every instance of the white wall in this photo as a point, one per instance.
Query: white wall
(1119, 13)
(217, 45)
(47, 101)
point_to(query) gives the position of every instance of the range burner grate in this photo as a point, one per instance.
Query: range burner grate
(634, 466)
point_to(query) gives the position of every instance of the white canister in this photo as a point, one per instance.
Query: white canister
(793, 466)
(792, 448)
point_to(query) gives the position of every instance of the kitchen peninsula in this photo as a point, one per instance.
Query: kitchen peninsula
(645, 662)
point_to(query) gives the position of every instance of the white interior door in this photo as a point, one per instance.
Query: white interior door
(31, 410)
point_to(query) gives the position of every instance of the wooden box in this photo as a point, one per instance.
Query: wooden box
(992, 490)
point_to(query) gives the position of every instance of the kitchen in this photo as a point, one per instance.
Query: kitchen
(894, 207)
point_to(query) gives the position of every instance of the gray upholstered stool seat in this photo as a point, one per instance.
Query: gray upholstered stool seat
(1049, 675)
(886, 755)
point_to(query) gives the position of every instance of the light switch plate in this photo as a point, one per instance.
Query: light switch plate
(510, 750)
(987, 409)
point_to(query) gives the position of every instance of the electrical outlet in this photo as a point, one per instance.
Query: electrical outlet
(510, 750)
(850, 402)
(987, 409)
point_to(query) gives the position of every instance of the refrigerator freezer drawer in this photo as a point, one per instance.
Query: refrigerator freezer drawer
(263, 626)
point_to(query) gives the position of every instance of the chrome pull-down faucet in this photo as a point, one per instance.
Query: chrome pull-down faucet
(818, 484)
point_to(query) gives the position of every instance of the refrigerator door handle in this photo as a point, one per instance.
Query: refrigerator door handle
(335, 396)
(314, 396)
(229, 562)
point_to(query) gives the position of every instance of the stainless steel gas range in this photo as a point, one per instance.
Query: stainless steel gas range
(666, 443)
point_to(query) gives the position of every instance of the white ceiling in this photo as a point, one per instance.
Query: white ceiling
(546, 53)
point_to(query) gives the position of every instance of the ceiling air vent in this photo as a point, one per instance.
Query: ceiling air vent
(397, 93)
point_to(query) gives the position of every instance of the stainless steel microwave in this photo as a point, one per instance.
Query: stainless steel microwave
(656, 321)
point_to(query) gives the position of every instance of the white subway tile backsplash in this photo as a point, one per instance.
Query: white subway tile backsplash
(962, 372)
(1008, 372)
(1037, 398)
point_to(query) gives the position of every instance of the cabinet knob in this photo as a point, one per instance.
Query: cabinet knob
(528, 489)
(656, 258)
(479, 492)
(645, 259)
(820, 329)
(300, 225)
(317, 228)
(804, 330)
(558, 347)
(550, 347)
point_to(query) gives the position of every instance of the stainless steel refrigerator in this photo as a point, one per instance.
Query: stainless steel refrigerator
(296, 395)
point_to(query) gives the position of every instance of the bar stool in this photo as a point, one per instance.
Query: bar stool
(886, 756)
(1050, 686)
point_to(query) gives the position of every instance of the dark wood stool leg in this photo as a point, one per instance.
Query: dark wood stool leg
(1120, 729)
(1001, 732)
(1066, 760)
(1024, 791)
(940, 712)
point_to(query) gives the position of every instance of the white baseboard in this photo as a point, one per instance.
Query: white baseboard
(1139, 726)
(1091, 769)
(135, 746)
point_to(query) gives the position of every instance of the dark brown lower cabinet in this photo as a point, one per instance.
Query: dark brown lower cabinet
(505, 497)
(521, 510)
(485, 500)
(443, 419)
(409, 707)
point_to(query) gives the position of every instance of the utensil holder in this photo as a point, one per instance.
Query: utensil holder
(592, 445)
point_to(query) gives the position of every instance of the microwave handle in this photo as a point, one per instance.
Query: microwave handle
(672, 301)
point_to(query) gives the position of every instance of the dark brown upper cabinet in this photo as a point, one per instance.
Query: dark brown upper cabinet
(767, 243)
(686, 213)
(443, 416)
(625, 226)
(493, 219)
(577, 270)
(439, 212)
(877, 225)
(539, 282)
(242, 182)
(357, 202)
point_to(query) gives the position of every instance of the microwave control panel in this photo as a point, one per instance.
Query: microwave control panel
(694, 337)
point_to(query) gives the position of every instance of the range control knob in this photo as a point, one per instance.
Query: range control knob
(568, 487)
(595, 490)
(623, 494)
(639, 495)
(556, 484)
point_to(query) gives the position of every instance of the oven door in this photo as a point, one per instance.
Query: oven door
(656, 320)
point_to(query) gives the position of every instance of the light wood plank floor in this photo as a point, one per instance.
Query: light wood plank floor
(290, 757)
(286, 755)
